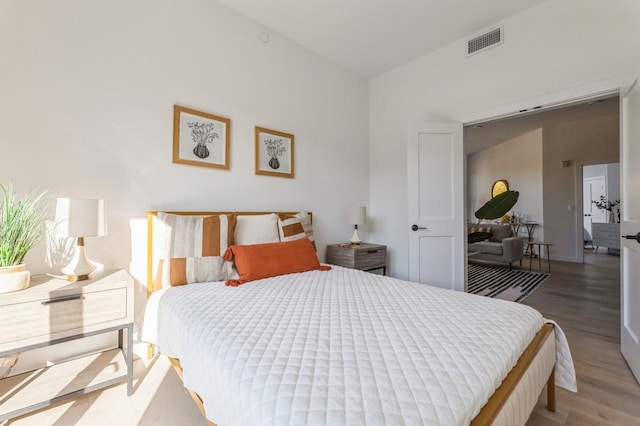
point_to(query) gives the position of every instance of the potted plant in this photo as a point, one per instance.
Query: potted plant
(493, 209)
(22, 220)
(604, 204)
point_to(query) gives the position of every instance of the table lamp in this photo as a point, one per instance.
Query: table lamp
(80, 218)
(357, 216)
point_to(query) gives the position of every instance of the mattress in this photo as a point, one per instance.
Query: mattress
(338, 347)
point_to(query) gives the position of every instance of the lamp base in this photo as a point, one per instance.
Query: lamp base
(355, 239)
(80, 267)
(74, 278)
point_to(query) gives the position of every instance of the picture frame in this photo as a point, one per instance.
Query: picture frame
(200, 138)
(274, 153)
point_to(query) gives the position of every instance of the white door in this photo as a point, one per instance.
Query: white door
(592, 189)
(436, 225)
(630, 225)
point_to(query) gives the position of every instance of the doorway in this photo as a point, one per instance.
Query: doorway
(570, 206)
(542, 155)
(600, 186)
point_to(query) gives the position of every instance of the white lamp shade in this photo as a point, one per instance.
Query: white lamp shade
(80, 218)
(358, 215)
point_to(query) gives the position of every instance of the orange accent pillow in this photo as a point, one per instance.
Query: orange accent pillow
(259, 261)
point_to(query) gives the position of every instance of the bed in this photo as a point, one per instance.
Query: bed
(343, 346)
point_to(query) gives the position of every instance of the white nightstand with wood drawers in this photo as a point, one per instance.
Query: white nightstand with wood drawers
(53, 311)
(363, 256)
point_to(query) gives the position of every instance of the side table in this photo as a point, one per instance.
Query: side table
(363, 256)
(539, 244)
(53, 311)
(529, 226)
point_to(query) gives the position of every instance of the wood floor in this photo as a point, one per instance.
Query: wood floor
(583, 299)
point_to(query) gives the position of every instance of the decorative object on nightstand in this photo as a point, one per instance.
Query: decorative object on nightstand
(22, 219)
(363, 256)
(357, 216)
(80, 218)
(54, 311)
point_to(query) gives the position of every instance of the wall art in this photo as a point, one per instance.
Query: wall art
(200, 139)
(274, 153)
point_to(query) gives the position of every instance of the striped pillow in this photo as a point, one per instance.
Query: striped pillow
(194, 246)
(479, 229)
(294, 227)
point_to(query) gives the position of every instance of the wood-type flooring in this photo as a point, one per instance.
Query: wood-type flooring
(584, 299)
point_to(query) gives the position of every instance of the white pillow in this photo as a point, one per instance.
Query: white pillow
(257, 229)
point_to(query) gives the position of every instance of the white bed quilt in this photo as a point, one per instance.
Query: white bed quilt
(340, 347)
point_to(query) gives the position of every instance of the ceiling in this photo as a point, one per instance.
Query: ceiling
(485, 135)
(370, 37)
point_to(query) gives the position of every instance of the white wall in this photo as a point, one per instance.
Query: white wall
(584, 141)
(88, 89)
(555, 47)
(519, 161)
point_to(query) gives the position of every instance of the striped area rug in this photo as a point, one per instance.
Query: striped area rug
(499, 282)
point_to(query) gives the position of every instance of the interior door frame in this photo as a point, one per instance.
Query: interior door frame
(554, 100)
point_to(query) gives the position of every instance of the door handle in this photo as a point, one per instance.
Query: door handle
(633, 237)
(415, 227)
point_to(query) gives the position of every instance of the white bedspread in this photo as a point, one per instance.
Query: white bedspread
(339, 347)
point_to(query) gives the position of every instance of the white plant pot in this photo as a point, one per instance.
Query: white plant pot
(14, 278)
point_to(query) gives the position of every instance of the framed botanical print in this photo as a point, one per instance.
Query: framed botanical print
(200, 138)
(274, 153)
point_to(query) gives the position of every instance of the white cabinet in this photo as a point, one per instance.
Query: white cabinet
(606, 235)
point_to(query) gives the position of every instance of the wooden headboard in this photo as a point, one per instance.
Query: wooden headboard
(150, 219)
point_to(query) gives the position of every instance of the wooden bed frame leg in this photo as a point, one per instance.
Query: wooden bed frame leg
(551, 392)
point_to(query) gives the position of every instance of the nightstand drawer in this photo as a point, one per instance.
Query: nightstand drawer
(48, 316)
(605, 234)
(367, 259)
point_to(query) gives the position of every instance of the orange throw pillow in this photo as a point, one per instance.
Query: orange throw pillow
(259, 261)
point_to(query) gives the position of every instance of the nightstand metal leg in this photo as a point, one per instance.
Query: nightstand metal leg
(129, 356)
(127, 351)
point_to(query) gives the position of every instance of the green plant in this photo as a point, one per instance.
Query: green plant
(22, 220)
(493, 209)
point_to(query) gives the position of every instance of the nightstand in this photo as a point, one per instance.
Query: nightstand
(53, 311)
(363, 256)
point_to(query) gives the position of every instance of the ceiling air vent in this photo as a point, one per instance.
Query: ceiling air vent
(485, 41)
